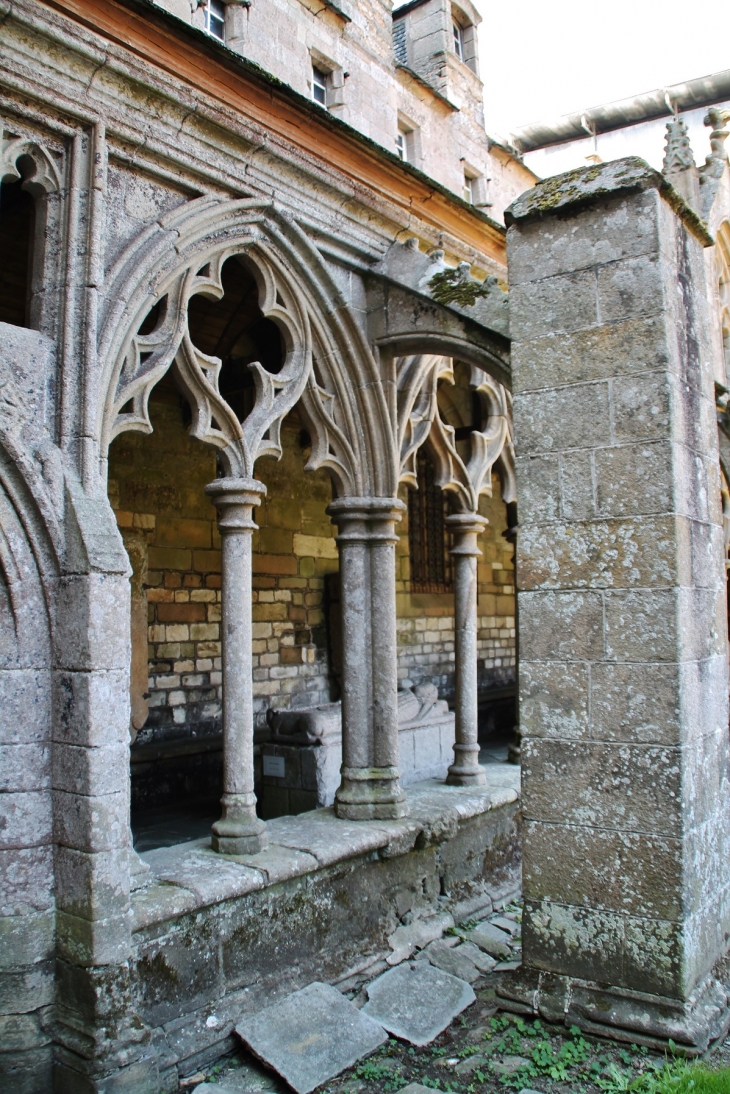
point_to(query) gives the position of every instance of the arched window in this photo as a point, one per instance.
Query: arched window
(427, 537)
(17, 231)
(31, 181)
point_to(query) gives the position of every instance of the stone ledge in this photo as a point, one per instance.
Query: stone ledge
(586, 185)
(190, 876)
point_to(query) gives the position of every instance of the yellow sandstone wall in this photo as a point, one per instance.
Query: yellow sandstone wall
(156, 485)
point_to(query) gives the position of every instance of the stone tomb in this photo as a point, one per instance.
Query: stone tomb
(302, 761)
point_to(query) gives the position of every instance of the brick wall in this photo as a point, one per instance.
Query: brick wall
(156, 484)
(426, 620)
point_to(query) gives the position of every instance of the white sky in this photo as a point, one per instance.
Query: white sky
(540, 59)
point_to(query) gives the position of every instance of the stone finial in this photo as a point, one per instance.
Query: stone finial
(711, 171)
(679, 164)
(677, 151)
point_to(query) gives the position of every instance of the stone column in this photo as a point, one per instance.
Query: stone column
(239, 831)
(465, 770)
(370, 787)
(623, 672)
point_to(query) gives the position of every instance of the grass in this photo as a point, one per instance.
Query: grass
(673, 1077)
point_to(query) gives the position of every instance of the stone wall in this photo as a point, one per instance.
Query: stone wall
(350, 889)
(622, 602)
(441, 101)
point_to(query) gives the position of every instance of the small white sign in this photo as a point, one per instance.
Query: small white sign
(274, 766)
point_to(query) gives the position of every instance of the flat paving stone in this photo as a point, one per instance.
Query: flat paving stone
(311, 1036)
(417, 1002)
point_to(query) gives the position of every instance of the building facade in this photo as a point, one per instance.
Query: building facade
(259, 491)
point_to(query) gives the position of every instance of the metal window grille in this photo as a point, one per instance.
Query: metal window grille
(427, 535)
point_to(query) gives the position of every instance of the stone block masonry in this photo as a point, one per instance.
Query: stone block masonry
(623, 671)
(213, 937)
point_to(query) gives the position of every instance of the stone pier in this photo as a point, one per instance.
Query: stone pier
(623, 674)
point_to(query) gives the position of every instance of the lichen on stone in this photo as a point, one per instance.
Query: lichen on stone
(457, 286)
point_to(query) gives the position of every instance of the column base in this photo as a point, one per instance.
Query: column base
(620, 1013)
(239, 831)
(370, 793)
(466, 769)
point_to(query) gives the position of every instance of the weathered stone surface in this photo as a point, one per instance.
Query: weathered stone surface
(478, 957)
(311, 1036)
(203, 873)
(409, 937)
(620, 798)
(452, 960)
(491, 940)
(416, 1002)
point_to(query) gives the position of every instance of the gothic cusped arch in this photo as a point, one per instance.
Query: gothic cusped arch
(419, 422)
(47, 176)
(41, 174)
(328, 367)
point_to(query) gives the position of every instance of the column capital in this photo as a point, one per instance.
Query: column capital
(361, 520)
(234, 499)
(466, 527)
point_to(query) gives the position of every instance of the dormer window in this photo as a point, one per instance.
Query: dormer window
(404, 142)
(215, 19)
(319, 85)
(458, 32)
(464, 35)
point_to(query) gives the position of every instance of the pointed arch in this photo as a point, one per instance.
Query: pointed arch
(329, 368)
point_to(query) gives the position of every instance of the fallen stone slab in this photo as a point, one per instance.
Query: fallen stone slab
(481, 960)
(417, 1002)
(406, 939)
(311, 1036)
(509, 925)
(452, 960)
(493, 940)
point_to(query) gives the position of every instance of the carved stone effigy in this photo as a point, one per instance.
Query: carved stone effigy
(302, 761)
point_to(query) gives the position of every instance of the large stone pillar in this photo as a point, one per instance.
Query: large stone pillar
(370, 787)
(465, 527)
(623, 674)
(239, 831)
(100, 1043)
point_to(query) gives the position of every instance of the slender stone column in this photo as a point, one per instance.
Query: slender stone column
(370, 787)
(239, 831)
(465, 770)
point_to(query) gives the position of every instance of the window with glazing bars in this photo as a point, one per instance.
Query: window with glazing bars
(215, 19)
(427, 534)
